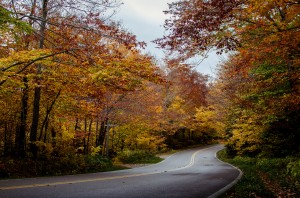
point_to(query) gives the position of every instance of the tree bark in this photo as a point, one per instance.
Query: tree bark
(83, 140)
(37, 90)
(35, 121)
(89, 136)
(6, 130)
(102, 133)
(20, 140)
(47, 116)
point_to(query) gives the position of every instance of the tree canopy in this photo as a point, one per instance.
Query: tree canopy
(257, 90)
(75, 84)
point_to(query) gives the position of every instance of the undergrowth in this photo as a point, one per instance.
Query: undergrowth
(264, 177)
(138, 157)
(54, 166)
(71, 164)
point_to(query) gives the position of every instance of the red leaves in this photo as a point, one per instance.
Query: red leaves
(196, 26)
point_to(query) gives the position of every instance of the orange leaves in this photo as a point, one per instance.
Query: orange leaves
(125, 70)
(258, 84)
(196, 26)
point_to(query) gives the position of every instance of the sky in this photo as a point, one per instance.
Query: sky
(145, 19)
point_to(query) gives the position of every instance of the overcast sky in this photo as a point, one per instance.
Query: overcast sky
(145, 19)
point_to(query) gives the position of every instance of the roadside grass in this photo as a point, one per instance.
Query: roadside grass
(168, 152)
(138, 157)
(147, 157)
(11, 168)
(263, 177)
(54, 166)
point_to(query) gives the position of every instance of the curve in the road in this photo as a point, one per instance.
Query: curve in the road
(196, 171)
(191, 163)
(230, 185)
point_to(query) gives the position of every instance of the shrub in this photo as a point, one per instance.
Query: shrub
(138, 156)
(54, 165)
(293, 168)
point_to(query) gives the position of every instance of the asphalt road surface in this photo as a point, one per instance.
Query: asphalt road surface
(190, 173)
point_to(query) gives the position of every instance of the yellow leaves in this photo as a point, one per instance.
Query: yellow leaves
(246, 129)
(95, 150)
(177, 104)
(85, 64)
(159, 109)
(146, 141)
(206, 117)
(23, 56)
(66, 136)
(123, 73)
(46, 148)
(247, 137)
(125, 68)
(273, 14)
(204, 114)
(25, 62)
(139, 136)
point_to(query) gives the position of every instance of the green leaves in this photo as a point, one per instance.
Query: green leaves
(10, 23)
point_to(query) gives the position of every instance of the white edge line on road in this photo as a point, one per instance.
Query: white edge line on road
(226, 188)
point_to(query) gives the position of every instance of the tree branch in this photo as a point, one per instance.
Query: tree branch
(30, 63)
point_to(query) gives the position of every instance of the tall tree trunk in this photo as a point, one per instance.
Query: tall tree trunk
(112, 141)
(37, 90)
(5, 149)
(102, 133)
(20, 140)
(122, 144)
(89, 136)
(97, 129)
(8, 138)
(47, 115)
(77, 124)
(46, 130)
(35, 121)
(53, 136)
(84, 139)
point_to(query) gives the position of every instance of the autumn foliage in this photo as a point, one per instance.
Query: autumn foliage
(254, 101)
(256, 95)
(75, 87)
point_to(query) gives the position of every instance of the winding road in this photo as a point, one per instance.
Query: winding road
(191, 173)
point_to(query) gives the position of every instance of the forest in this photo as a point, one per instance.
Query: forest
(77, 91)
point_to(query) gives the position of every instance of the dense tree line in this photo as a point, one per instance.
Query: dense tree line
(75, 85)
(256, 95)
